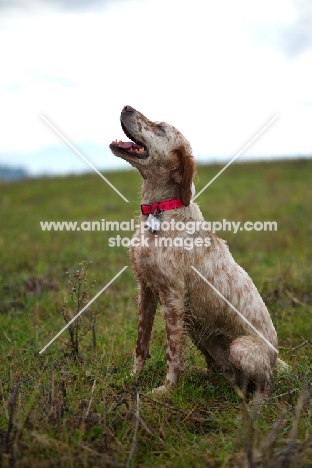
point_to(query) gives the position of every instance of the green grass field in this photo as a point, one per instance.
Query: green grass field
(83, 409)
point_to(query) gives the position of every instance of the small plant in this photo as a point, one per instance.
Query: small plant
(78, 298)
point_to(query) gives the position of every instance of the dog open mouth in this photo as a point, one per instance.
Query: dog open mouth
(134, 148)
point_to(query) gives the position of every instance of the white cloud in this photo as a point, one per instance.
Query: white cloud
(202, 66)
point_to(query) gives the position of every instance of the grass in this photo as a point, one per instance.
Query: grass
(57, 410)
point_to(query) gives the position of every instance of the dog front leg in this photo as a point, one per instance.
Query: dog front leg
(147, 304)
(173, 307)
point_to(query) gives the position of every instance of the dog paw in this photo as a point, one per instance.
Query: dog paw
(282, 367)
(160, 390)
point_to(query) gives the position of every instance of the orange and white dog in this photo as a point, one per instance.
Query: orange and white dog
(245, 350)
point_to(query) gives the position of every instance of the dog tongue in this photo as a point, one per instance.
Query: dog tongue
(125, 144)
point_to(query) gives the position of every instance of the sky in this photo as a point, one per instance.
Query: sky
(218, 71)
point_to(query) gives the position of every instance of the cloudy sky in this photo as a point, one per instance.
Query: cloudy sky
(218, 71)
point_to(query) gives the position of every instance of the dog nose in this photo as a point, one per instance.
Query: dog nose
(128, 109)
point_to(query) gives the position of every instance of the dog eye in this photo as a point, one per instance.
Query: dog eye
(160, 127)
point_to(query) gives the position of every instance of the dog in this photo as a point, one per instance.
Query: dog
(201, 289)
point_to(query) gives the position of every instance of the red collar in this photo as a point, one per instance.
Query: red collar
(161, 206)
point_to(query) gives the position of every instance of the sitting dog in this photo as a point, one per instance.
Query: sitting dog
(201, 289)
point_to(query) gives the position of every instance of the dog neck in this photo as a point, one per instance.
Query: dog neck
(161, 191)
(152, 193)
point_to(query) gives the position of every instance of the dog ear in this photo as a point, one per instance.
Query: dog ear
(182, 171)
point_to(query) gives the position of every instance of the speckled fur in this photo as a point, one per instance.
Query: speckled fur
(165, 275)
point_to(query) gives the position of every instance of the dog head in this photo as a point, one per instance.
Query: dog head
(158, 150)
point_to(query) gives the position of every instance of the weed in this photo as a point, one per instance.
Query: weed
(78, 297)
